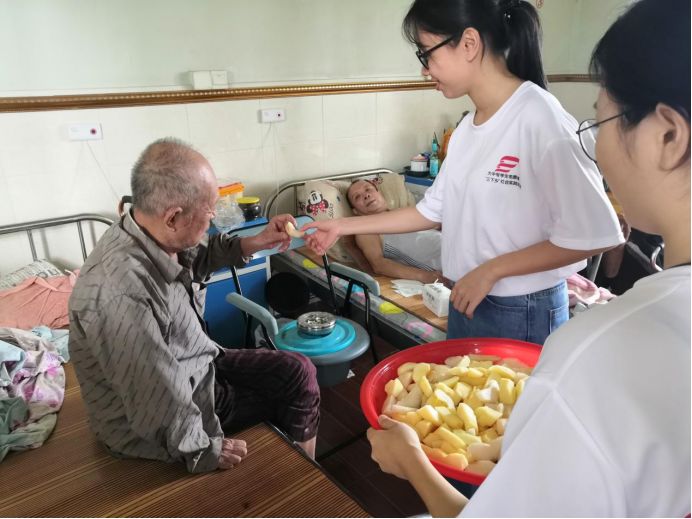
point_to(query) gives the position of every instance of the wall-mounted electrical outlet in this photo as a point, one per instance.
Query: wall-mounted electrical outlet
(272, 115)
(84, 132)
(219, 79)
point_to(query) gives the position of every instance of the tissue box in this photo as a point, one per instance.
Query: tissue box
(436, 298)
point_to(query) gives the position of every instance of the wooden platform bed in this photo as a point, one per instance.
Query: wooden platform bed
(72, 475)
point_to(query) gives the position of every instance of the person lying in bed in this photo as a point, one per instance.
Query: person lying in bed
(396, 256)
(154, 384)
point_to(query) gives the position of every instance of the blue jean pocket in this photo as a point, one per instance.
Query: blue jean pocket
(503, 317)
(558, 316)
(507, 304)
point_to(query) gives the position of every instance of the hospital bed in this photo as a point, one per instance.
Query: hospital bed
(402, 321)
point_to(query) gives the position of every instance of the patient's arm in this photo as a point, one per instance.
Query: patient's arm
(371, 246)
(356, 254)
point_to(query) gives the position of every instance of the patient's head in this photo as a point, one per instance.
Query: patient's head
(365, 198)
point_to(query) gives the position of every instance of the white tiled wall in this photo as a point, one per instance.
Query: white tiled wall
(42, 174)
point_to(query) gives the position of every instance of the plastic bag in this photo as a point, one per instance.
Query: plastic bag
(228, 214)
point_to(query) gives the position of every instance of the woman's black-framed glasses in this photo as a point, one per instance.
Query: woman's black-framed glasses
(423, 55)
(588, 131)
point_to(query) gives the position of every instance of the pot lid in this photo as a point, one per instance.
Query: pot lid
(316, 321)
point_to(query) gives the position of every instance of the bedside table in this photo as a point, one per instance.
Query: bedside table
(225, 322)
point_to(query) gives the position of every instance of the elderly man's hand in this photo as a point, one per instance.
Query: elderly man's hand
(396, 448)
(232, 453)
(274, 234)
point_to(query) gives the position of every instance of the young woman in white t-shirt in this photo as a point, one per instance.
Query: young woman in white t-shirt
(521, 208)
(603, 425)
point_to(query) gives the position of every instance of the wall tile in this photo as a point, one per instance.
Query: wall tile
(7, 214)
(400, 111)
(397, 147)
(290, 162)
(304, 118)
(243, 165)
(350, 115)
(442, 112)
(127, 131)
(577, 98)
(18, 161)
(230, 125)
(354, 154)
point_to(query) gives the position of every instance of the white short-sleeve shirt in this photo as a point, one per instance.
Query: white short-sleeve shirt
(603, 425)
(516, 180)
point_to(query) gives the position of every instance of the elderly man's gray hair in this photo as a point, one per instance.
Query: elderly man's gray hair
(163, 177)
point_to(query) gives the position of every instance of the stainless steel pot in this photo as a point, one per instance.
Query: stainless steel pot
(316, 324)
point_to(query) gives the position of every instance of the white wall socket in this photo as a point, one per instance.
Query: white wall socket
(201, 79)
(84, 132)
(272, 115)
(219, 78)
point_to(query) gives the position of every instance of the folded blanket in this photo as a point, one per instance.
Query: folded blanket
(37, 301)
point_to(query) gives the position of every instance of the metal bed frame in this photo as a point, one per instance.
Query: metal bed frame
(77, 219)
(394, 335)
(294, 185)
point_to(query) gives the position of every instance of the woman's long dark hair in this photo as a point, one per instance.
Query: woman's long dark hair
(644, 58)
(508, 28)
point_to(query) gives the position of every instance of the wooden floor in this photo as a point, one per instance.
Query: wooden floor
(380, 494)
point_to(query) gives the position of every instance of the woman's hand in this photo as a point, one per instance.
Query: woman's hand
(396, 448)
(326, 233)
(232, 453)
(470, 290)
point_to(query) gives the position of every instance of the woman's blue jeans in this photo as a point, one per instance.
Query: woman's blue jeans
(531, 317)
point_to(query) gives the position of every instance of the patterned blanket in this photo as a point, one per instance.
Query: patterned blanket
(32, 385)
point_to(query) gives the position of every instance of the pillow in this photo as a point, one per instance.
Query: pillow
(40, 268)
(326, 199)
(393, 189)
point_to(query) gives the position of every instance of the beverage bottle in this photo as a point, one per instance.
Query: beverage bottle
(434, 159)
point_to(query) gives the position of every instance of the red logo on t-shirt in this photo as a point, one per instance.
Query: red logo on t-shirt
(506, 164)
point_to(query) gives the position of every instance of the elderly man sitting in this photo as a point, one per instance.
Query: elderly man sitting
(154, 384)
(396, 256)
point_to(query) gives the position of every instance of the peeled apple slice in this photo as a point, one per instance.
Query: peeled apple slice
(292, 231)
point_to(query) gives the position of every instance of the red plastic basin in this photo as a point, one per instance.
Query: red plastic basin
(372, 394)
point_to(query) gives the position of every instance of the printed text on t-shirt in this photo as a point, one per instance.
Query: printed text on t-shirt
(505, 172)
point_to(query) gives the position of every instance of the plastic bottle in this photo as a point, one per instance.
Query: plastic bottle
(228, 213)
(434, 159)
